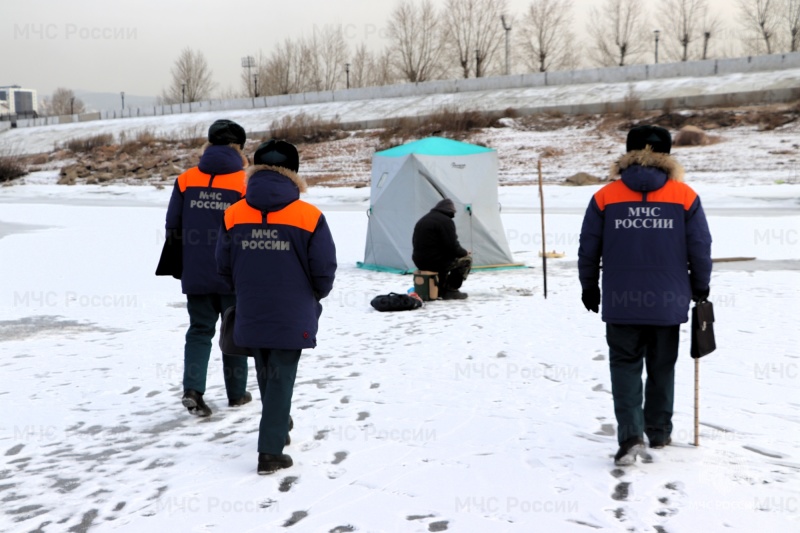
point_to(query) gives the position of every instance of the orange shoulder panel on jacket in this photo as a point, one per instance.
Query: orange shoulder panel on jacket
(614, 193)
(299, 214)
(241, 213)
(193, 177)
(234, 181)
(674, 192)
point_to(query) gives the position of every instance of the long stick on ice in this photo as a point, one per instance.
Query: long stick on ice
(544, 246)
(697, 402)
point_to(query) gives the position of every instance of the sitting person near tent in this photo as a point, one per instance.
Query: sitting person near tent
(436, 248)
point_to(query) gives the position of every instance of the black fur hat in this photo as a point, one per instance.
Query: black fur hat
(657, 137)
(224, 132)
(277, 154)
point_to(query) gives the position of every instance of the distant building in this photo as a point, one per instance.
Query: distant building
(16, 102)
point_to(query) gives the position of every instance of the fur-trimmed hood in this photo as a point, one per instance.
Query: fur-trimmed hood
(271, 188)
(648, 158)
(645, 170)
(296, 178)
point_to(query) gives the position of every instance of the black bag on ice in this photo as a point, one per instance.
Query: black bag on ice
(226, 343)
(395, 302)
(703, 342)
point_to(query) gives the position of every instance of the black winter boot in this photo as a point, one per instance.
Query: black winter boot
(268, 463)
(628, 450)
(246, 398)
(193, 401)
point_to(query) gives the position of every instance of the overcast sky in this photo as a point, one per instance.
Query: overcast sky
(102, 46)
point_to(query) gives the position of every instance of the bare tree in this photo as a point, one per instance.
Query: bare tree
(360, 66)
(474, 32)
(286, 69)
(710, 26)
(191, 79)
(617, 31)
(63, 102)
(682, 21)
(759, 19)
(546, 33)
(369, 69)
(327, 53)
(791, 16)
(417, 38)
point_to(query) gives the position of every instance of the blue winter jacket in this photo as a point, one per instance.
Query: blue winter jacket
(279, 253)
(650, 230)
(196, 209)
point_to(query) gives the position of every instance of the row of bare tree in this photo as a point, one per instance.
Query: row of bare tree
(473, 38)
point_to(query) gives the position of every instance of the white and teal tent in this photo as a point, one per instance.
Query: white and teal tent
(408, 180)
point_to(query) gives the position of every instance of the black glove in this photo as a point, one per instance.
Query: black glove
(700, 296)
(591, 299)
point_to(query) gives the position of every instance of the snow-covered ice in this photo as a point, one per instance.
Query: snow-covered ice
(488, 415)
(492, 414)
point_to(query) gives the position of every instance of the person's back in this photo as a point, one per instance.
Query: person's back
(279, 253)
(198, 203)
(435, 248)
(196, 209)
(650, 232)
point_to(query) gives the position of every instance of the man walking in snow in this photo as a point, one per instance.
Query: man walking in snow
(650, 231)
(436, 248)
(280, 255)
(196, 209)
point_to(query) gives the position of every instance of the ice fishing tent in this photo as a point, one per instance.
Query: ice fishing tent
(408, 180)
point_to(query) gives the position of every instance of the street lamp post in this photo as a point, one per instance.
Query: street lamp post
(656, 32)
(248, 62)
(477, 63)
(347, 73)
(183, 92)
(507, 27)
(255, 84)
(71, 105)
(122, 95)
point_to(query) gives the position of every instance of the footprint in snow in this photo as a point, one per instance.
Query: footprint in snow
(621, 491)
(295, 518)
(339, 457)
(412, 517)
(334, 473)
(287, 483)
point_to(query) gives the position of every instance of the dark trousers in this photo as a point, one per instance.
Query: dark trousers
(276, 371)
(451, 278)
(204, 311)
(631, 348)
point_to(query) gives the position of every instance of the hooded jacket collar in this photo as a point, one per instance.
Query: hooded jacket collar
(446, 207)
(219, 159)
(645, 170)
(270, 188)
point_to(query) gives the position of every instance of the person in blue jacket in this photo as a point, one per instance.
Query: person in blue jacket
(279, 254)
(195, 213)
(649, 229)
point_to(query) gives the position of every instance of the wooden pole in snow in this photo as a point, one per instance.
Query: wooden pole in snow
(697, 402)
(544, 245)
